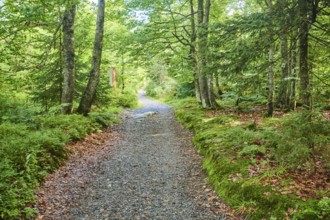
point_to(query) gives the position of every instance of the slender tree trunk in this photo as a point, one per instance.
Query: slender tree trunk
(94, 75)
(211, 96)
(205, 78)
(305, 93)
(192, 54)
(61, 66)
(282, 98)
(69, 59)
(210, 91)
(122, 72)
(271, 84)
(293, 72)
(271, 74)
(202, 52)
(217, 84)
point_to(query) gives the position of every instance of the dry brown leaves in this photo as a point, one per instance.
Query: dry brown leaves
(254, 114)
(61, 188)
(302, 182)
(216, 205)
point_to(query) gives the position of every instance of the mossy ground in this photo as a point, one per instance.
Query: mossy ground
(264, 168)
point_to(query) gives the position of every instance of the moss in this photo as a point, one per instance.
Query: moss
(230, 147)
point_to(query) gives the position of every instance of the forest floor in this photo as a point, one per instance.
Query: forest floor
(144, 168)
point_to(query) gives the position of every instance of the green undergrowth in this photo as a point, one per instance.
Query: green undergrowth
(232, 148)
(31, 146)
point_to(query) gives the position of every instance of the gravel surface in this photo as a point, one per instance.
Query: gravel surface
(150, 171)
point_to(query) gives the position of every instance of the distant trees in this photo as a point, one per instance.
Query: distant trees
(251, 48)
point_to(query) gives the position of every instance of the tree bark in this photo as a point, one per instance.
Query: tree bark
(271, 83)
(271, 74)
(205, 77)
(69, 59)
(192, 54)
(293, 72)
(210, 92)
(305, 91)
(94, 76)
(202, 51)
(217, 84)
(282, 98)
(122, 72)
(211, 96)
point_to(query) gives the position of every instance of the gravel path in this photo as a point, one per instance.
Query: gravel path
(151, 171)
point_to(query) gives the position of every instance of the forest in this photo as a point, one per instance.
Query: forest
(250, 78)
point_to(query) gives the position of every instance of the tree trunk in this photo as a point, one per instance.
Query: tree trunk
(192, 54)
(305, 93)
(271, 83)
(293, 73)
(122, 72)
(210, 92)
(94, 75)
(69, 59)
(205, 80)
(202, 51)
(217, 84)
(271, 74)
(211, 96)
(282, 98)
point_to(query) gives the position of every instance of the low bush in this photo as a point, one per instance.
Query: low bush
(126, 98)
(299, 136)
(34, 146)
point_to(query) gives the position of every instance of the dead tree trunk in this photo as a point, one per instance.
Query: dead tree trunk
(94, 75)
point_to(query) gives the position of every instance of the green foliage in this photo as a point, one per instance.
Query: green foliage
(313, 210)
(251, 150)
(297, 137)
(103, 118)
(185, 90)
(126, 99)
(34, 146)
(184, 114)
(162, 90)
(75, 126)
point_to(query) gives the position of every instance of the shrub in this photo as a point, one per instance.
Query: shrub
(298, 136)
(32, 150)
(126, 99)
